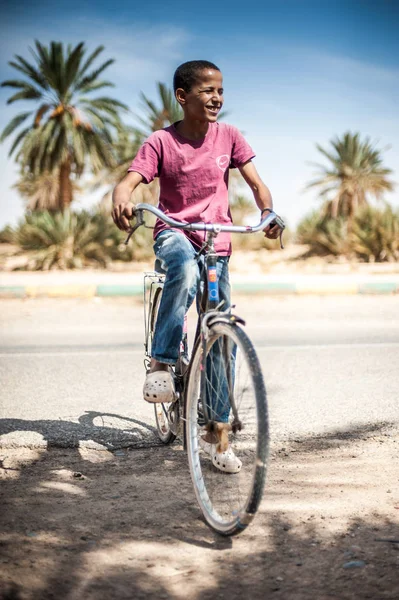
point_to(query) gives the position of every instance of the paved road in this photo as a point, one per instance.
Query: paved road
(71, 370)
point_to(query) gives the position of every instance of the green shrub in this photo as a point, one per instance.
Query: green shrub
(375, 235)
(6, 235)
(372, 236)
(68, 240)
(324, 235)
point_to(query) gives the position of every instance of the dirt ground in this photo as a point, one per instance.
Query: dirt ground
(88, 524)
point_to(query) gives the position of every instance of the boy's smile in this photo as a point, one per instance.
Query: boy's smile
(214, 110)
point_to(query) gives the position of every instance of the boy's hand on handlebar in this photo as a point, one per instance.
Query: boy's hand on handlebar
(122, 213)
(273, 230)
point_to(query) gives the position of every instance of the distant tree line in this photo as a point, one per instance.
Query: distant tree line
(75, 129)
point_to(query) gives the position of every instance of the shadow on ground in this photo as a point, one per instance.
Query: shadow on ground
(111, 431)
(83, 524)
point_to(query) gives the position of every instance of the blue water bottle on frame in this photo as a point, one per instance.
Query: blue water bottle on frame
(213, 284)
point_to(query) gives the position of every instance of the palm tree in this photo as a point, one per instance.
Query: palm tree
(355, 172)
(67, 127)
(41, 191)
(158, 117)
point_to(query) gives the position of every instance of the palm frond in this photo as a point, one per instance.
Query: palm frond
(95, 85)
(158, 117)
(72, 65)
(88, 63)
(24, 67)
(13, 124)
(106, 101)
(57, 67)
(27, 94)
(93, 75)
(149, 105)
(22, 135)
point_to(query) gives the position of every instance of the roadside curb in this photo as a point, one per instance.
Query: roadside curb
(248, 287)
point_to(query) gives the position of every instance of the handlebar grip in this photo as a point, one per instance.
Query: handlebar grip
(278, 221)
(139, 221)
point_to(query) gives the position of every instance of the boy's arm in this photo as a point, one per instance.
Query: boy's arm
(261, 192)
(122, 206)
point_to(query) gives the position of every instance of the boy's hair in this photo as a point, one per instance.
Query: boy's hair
(187, 74)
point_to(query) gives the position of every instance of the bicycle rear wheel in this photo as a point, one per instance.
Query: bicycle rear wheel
(233, 379)
(162, 411)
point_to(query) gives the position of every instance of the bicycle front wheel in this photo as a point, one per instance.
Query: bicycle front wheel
(233, 393)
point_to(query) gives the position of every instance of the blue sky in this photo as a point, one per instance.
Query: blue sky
(296, 73)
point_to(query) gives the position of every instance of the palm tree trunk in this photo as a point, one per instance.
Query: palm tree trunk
(335, 206)
(352, 208)
(354, 203)
(65, 197)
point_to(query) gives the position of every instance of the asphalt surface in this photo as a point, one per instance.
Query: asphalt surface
(72, 369)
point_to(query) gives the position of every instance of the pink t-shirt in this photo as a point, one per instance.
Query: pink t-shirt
(194, 176)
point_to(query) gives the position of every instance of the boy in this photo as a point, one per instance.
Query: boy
(191, 158)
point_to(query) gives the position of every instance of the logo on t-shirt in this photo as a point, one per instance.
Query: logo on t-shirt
(223, 162)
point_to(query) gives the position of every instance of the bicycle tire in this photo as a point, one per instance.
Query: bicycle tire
(161, 410)
(235, 510)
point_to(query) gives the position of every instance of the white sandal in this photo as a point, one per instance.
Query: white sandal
(227, 461)
(159, 387)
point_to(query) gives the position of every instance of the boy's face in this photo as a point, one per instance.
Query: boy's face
(205, 99)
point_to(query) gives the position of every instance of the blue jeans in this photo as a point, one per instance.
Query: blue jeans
(176, 256)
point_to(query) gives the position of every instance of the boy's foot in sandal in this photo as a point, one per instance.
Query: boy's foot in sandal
(159, 387)
(227, 461)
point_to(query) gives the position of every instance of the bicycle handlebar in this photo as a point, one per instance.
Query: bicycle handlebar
(213, 227)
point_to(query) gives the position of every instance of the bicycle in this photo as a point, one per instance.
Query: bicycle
(222, 377)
